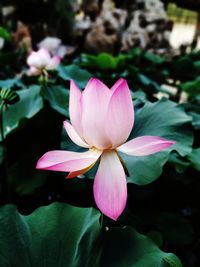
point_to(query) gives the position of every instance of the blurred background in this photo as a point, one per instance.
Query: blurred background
(155, 46)
(164, 27)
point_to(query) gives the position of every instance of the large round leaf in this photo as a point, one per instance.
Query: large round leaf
(194, 157)
(58, 98)
(30, 103)
(10, 83)
(61, 235)
(191, 87)
(166, 119)
(103, 61)
(80, 76)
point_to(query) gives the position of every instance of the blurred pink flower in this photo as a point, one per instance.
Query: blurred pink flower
(101, 121)
(41, 61)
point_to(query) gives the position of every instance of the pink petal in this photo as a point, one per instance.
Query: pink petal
(110, 189)
(34, 71)
(73, 135)
(120, 115)
(67, 161)
(117, 84)
(75, 108)
(95, 99)
(53, 63)
(34, 60)
(77, 173)
(145, 145)
(44, 56)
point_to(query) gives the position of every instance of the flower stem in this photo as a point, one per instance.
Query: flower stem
(43, 83)
(103, 222)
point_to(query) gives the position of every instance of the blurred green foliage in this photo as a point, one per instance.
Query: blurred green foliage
(75, 240)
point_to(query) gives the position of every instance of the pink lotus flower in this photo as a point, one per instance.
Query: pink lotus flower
(41, 61)
(101, 121)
